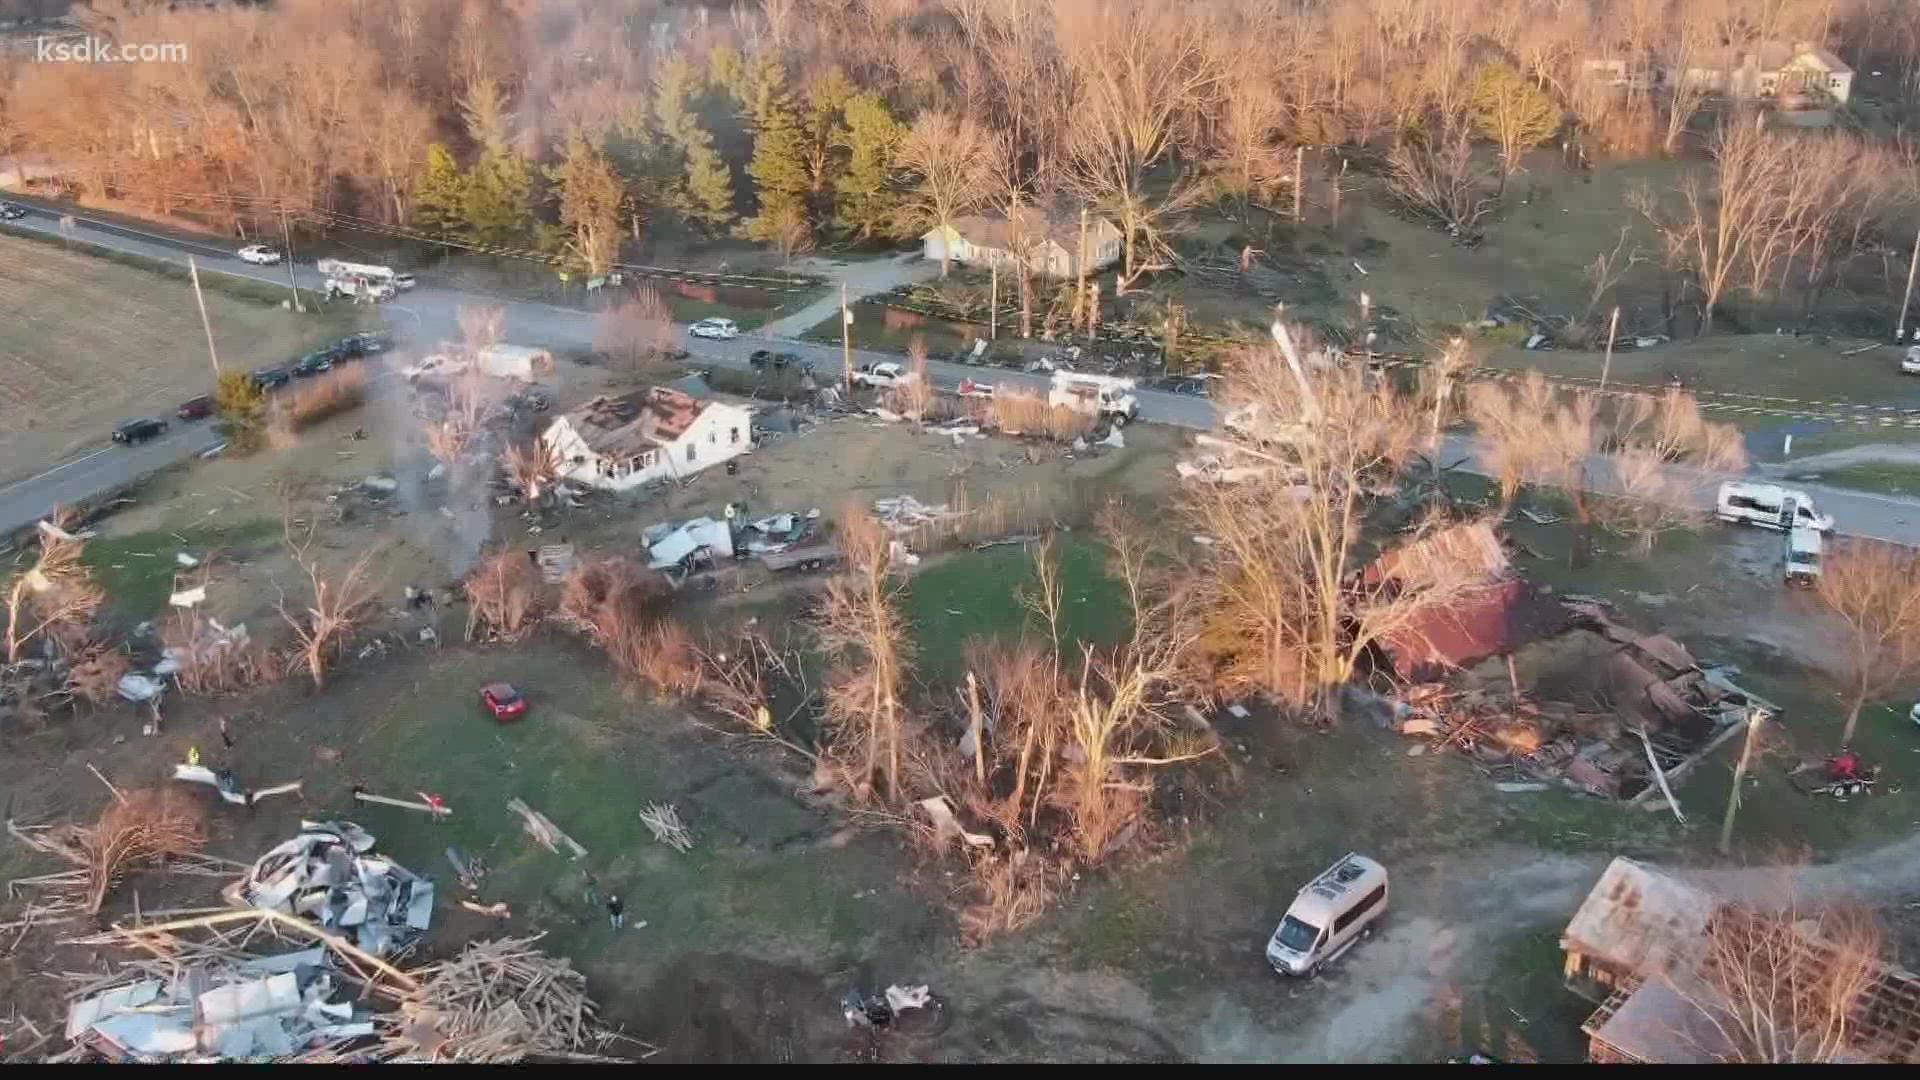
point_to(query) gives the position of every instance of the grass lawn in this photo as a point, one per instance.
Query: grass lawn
(90, 341)
(137, 570)
(977, 594)
(886, 329)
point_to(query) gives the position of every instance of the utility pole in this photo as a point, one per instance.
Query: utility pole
(846, 339)
(286, 245)
(1080, 270)
(193, 272)
(1900, 333)
(993, 303)
(1606, 365)
(1299, 178)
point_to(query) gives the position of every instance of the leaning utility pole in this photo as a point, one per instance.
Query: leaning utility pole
(846, 339)
(1606, 365)
(194, 273)
(286, 245)
(1901, 331)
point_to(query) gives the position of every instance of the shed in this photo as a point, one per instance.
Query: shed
(1636, 922)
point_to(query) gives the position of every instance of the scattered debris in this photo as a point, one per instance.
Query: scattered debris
(426, 804)
(903, 513)
(541, 829)
(330, 874)
(228, 786)
(384, 485)
(663, 821)
(946, 826)
(136, 687)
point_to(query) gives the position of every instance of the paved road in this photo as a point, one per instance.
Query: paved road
(428, 314)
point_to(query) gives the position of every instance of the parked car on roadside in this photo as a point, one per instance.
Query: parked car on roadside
(314, 363)
(1769, 506)
(138, 431)
(259, 255)
(881, 375)
(267, 378)
(1910, 363)
(365, 343)
(195, 408)
(403, 282)
(12, 211)
(717, 329)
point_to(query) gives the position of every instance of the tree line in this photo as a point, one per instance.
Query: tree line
(573, 129)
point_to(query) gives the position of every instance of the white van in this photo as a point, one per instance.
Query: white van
(1769, 506)
(1805, 546)
(1335, 910)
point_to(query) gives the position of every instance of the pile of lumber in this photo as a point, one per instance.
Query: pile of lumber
(498, 1002)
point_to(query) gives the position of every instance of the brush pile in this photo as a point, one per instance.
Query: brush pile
(498, 1002)
(140, 829)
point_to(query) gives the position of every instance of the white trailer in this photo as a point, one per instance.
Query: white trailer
(1108, 396)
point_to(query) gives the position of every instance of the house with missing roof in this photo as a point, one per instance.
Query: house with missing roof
(1793, 76)
(1639, 946)
(619, 443)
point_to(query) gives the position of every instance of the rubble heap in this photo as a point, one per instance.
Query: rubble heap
(329, 874)
(1600, 700)
(215, 1008)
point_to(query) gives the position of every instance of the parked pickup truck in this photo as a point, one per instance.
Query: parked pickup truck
(882, 375)
(809, 557)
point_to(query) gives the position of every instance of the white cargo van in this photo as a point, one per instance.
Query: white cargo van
(1769, 506)
(1335, 910)
(1805, 546)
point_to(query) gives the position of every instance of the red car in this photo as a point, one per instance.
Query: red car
(195, 408)
(503, 701)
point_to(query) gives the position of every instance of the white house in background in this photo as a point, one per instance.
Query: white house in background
(1050, 243)
(1801, 75)
(620, 443)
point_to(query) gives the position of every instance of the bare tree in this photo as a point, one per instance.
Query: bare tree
(534, 468)
(946, 156)
(1289, 611)
(503, 598)
(1609, 268)
(637, 332)
(339, 601)
(862, 628)
(1438, 177)
(1873, 589)
(1142, 68)
(1781, 987)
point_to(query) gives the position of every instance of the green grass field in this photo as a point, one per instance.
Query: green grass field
(137, 570)
(977, 594)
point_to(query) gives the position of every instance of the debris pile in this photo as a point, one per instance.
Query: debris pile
(778, 532)
(498, 1002)
(216, 1007)
(330, 874)
(904, 513)
(1602, 705)
(663, 821)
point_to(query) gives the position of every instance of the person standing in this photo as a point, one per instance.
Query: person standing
(616, 912)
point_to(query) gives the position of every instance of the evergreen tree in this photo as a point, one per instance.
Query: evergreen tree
(866, 199)
(439, 196)
(778, 166)
(727, 70)
(498, 206)
(703, 193)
